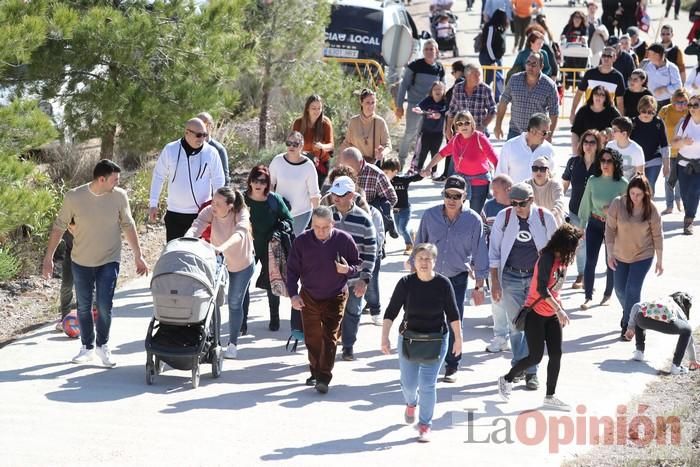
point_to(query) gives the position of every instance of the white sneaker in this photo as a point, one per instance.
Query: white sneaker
(377, 320)
(551, 402)
(59, 326)
(85, 355)
(678, 370)
(106, 356)
(498, 344)
(638, 355)
(504, 388)
(231, 351)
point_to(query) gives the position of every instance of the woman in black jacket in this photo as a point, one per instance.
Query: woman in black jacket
(493, 47)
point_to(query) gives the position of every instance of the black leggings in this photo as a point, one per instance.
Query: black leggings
(429, 143)
(676, 6)
(177, 224)
(538, 331)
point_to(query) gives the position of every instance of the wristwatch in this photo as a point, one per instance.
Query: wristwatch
(478, 287)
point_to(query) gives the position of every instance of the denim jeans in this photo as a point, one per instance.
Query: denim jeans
(629, 278)
(238, 283)
(103, 280)
(678, 327)
(690, 191)
(413, 124)
(595, 234)
(419, 379)
(515, 286)
(672, 192)
(402, 217)
(501, 328)
(581, 250)
(477, 196)
(351, 319)
(300, 222)
(459, 284)
(372, 294)
(652, 174)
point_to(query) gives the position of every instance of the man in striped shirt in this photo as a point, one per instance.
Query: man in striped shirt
(353, 220)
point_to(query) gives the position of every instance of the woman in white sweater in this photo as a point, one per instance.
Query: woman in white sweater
(549, 193)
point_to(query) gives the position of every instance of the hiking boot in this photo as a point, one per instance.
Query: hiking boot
(678, 370)
(423, 433)
(578, 283)
(231, 352)
(409, 415)
(531, 382)
(321, 387)
(310, 381)
(638, 355)
(377, 320)
(551, 402)
(348, 355)
(450, 375)
(498, 344)
(85, 355)
(504, 388)
(106, 356)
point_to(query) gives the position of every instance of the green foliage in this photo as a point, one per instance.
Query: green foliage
(138, 189)
(9, 266)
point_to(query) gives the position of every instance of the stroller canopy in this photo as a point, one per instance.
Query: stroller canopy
(189, 257)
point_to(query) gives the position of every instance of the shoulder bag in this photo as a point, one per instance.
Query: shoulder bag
(519, 320)
(421, 347)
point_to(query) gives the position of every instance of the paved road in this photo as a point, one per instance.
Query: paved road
(260, 413)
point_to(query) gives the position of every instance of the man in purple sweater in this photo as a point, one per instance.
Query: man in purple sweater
(322, 258)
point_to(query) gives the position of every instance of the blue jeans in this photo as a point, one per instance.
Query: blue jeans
(515, 286)
(351, 319)
(595, 234)
(652, 174)
(501, 328)
(672, 192)
(513, 133)
(402, 216)
(629, 278)
(489, 75)
(238, 283)
(459, 284)
(372, 294)
(420, 379)
(477, 196)
(690, 191)
(103, 280)
(581, 250)
(300, 222)
(413, 125)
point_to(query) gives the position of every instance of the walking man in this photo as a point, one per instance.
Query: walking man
(322, 258)
(100, 212)
(223, 154)
(459, 236)
(192, 169)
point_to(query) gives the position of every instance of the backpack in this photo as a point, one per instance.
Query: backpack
(510, 210)
(478, 42)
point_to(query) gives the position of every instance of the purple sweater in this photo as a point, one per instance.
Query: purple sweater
(313, 261)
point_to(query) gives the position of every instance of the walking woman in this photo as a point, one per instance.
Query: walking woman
(494, 48)
(548, 191)
(687, 141)
(267, 209)
(579, 169)
(606, 184)
(522, 15)
(672, 114)
(317, 130)
(544, 323)
(650, 133)
(229, 219)
(367, 131)
(473, 157)
(428, 301)
(293, 176)
(433, 108)
(633, 234)
(597, 114)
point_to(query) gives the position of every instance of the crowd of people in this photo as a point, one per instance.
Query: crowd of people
(515, 238)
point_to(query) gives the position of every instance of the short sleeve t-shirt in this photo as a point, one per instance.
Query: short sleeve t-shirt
(632, 157)
(577, 174)
(523, 255)
(631, 100)
(587, 119)
(651, 137)
(613, 82)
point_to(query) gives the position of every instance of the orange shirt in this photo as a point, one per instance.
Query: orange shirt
(310, 139)
(523, 8)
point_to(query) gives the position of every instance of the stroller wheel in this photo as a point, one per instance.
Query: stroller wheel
(217, 362)
(195, 376)
(150, 374)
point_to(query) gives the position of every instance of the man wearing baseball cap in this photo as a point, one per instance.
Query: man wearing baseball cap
(353, 220)
(518, 234)
(458, 234)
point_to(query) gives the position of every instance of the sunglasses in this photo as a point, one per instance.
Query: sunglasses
(292, 144)
(260, 181)
(599, 94)
(607, 56)
(541, 132)
(590, 141)
(520, 204)
(453, 197)
(463, 123)
(648, 112)
(198, 134)
(537, 168)
(532, 63)
(693, 106)
(682, 103)
(606, 160)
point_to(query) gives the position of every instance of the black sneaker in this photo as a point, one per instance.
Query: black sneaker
(274, 325)
(450, 375)
(321, 387)
(311, 381)
(393, 233)
(531, 382)
(348, 356)
(519, 377)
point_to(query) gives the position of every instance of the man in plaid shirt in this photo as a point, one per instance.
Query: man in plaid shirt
(529, 92)
(474, 96)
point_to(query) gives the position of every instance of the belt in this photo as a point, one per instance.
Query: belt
(597, 217)
(521, 271)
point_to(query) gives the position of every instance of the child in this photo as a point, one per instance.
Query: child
(632, 153)
(433, 109)
(443, 28)
(636, 89)
(501, 199)
(402, 209)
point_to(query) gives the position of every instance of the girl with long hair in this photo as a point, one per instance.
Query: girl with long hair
(317, 130)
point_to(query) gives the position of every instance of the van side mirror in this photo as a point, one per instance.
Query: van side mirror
(425, 35)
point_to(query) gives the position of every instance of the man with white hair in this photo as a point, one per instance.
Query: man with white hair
(192, 169)
(223, 154)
